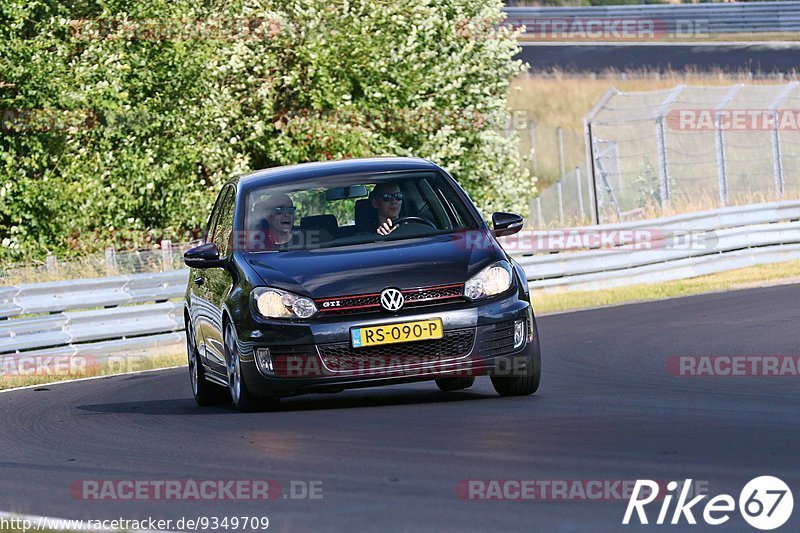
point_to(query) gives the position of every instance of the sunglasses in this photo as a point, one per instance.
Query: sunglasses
(387, 197)
(282, 210)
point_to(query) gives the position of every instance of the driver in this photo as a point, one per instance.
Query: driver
(388, 200)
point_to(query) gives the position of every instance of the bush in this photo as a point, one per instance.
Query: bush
(157, 123)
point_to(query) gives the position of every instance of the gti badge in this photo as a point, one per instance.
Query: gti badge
(392, 299)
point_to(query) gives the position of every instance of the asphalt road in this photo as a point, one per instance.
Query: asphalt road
(761, 58)
(390, 459)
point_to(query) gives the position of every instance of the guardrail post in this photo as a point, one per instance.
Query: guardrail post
(111, 260)
(166, 255)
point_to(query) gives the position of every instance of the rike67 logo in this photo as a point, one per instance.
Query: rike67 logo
(765, 503)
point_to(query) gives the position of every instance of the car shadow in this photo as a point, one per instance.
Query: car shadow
(311, 402)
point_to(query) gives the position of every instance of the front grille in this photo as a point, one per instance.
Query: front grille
(341, 357)
(497, 339)
(366, 303)
(419, 296)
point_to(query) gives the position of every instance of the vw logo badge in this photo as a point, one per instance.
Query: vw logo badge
(392, 299)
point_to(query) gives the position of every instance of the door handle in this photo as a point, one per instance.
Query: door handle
(199, 281)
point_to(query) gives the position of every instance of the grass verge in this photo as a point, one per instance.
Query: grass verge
(756, 276)
(49, 371)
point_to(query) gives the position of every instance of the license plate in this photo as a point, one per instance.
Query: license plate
(419, 330)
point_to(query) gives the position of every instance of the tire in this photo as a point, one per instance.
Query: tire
(237, 385)
(527, 383)
(452, 384)
(204, 392)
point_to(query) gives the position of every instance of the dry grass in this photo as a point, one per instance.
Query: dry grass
(757, 276)
(115, 365)
(561, 100)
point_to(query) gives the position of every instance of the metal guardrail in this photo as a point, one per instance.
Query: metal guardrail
(97, 317)
(138, 312)
(756, 17)
(736, 237)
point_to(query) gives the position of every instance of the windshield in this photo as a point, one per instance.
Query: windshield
(347, 210)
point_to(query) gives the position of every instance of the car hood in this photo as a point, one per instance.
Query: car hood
(369, 268)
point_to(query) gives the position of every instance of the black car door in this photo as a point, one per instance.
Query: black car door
(199, 298)
(218, 282)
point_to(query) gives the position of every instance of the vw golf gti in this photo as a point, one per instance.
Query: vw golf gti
(322, 277)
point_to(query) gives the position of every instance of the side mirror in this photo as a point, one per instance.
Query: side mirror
(506, 224)
(203, 256)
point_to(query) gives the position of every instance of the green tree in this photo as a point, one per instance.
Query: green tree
(170, 117)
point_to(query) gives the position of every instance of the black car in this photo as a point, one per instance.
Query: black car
(321, 277)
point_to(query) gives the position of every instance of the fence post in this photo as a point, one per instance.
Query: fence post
(609, 189)
(589, 148)
(532, 135)
(562, 165)
(560, 194)
(719, 139)
(777, 156)
(539, 215)
(51, 263)
(580, 191)
(111, 260)
(663, 171)
(166, 255)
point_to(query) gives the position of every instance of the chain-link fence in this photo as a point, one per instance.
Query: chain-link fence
(167, 256)
(693, 148)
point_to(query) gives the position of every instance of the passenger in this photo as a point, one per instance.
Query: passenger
(276, 229)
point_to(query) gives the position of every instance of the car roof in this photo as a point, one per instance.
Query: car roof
(305, 171)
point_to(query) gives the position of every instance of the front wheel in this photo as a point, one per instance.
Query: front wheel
(528, 382)
(205, 392)
(240, 394)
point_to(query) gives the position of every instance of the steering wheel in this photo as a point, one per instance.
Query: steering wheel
(408, 220)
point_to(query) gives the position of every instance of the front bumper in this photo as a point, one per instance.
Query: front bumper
(316, 356)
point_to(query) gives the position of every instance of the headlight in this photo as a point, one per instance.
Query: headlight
(494, 279)
(275, 303)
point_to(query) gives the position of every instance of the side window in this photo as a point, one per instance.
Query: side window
(224, 226)
(212, 219)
